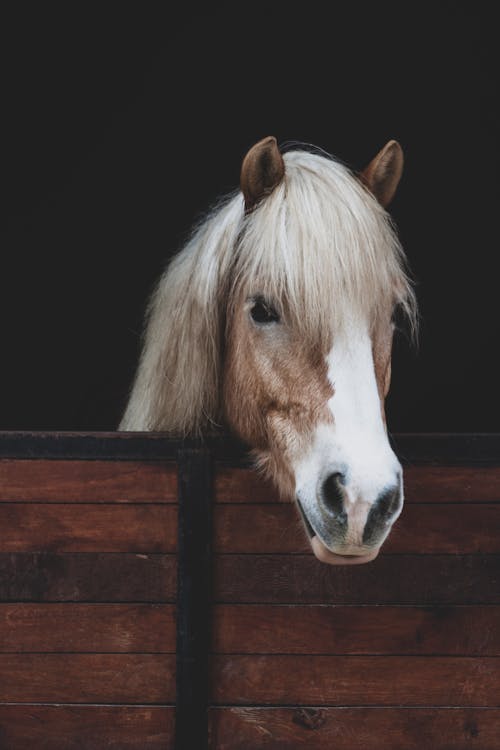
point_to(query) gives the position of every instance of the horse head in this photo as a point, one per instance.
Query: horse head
(276, 320)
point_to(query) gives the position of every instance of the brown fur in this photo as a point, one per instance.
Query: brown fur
(276, 391)
(382, 337)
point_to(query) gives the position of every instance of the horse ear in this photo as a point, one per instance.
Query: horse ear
(383, 173)
(262, 170)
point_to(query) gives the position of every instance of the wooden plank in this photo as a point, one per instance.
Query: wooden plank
(428, 484)
(95, 628)
(452, 484)
(428, 529)
(235, 485)
(390, 579)
(134, 481)
(356, 680)
(451, 529)
(30, 527)
(92, 577)
(87, 481)
(271, 629)
(113, 446)
(87, 678)
(259, 528)
(421, 529)
(355, 728)
(413, 448)
(93, 727)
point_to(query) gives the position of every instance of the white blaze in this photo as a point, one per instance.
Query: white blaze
(360, 437)
(355, 444)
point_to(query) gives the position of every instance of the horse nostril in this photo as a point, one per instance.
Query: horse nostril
(388, 503)
(333, 493)
(385, 507)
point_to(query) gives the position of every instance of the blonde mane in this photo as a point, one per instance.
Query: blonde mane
(320, 246)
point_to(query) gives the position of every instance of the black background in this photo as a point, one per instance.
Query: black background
(120, 128)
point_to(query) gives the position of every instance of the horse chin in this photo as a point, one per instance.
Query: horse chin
(332, 558)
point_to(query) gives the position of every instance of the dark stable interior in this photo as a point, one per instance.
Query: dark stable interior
(121, 128)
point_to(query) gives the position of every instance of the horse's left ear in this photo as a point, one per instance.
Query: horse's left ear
(383, 173)
(262, 170)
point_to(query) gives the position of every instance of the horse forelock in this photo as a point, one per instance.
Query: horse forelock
(322, 247)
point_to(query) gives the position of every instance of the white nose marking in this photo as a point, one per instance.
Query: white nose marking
(360, 437)
(354, 446)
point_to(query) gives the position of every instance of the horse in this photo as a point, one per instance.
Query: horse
(276, 321)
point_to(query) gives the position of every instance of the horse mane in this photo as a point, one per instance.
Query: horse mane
(320, 246)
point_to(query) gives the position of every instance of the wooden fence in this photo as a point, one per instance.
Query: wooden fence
(129, 619)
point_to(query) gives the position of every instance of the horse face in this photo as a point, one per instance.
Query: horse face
(315, 417)
(316, 422)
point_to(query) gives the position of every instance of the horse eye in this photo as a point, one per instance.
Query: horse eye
(261, 312)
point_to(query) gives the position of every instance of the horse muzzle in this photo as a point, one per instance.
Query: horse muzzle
(345, 529)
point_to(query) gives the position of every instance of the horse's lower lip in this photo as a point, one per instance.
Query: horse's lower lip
(332, 558)
(327, 556)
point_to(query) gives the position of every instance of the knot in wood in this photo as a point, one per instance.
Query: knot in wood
(310, 718)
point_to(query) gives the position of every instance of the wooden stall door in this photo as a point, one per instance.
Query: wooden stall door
(399, 654)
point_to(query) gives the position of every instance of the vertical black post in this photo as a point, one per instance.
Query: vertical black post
(193, 598)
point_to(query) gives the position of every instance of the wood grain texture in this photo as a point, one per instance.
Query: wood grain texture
(322, 629)
(86, 727)
(94, 628)
(87, 481)
(421, 529)
(452, 484)
(425, 484)
(87, 678)
(390, 579)
(355, 728)
(259, 528)
(33, 527)
(232, 485)
(91, 577)
(356, 680)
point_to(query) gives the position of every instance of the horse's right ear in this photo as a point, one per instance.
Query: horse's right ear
(262, 170)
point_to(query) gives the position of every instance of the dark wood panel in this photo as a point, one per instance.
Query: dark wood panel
(356, 680)
(457, 484)
(259, 528)
(425, 484)
(87, 481)
(322, 629)
(454, 449)
(87, 678)
(421, 529)
(89, 727)
(125, 628)
(30, 527)
(234, 485)
(390, 579)
(48, 577)
(355, 728)
(452, 529)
